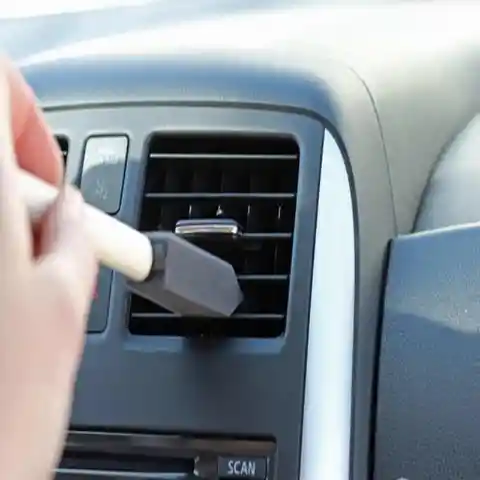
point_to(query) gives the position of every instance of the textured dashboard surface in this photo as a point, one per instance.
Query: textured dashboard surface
(391, 100)
(429, 383)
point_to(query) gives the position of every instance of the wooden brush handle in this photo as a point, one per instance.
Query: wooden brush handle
(117, 245)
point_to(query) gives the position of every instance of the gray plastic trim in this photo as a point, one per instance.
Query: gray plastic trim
(453, 193)
(328, 388)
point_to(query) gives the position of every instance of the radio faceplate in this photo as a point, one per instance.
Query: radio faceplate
(98, 455)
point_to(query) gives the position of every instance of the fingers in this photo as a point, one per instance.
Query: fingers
(14, 224)
(66, 259)
(24, 139)
(15, 242)
(36, 149)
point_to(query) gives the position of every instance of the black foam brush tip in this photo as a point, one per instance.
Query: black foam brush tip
(188, 280)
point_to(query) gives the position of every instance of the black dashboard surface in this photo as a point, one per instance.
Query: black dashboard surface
(391, 101)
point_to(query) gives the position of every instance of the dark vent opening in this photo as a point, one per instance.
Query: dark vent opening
(252, 180)
(63, 144)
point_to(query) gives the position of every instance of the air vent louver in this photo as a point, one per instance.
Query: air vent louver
(63, 144)
(252, 180)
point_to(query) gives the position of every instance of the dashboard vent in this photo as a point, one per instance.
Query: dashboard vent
(63, 144)
(246, 179)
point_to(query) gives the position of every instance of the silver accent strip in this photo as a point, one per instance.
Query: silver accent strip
(208, 229)
(328, 389)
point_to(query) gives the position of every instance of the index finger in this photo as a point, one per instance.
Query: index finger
(36, 149)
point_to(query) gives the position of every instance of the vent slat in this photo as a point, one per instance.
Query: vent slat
(266, 236)
(219, 196)
(249, 180)
(262, 278)
(235, 316)
(220, 156)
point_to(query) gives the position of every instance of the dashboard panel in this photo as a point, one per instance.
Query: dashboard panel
(369, 128)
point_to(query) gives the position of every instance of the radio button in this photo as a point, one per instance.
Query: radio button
(237, 468)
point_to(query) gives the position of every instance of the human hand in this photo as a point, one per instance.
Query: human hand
(46, 286)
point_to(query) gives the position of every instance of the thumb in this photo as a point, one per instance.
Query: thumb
(66, 258)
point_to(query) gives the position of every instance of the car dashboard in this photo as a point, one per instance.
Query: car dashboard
(320, 131)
